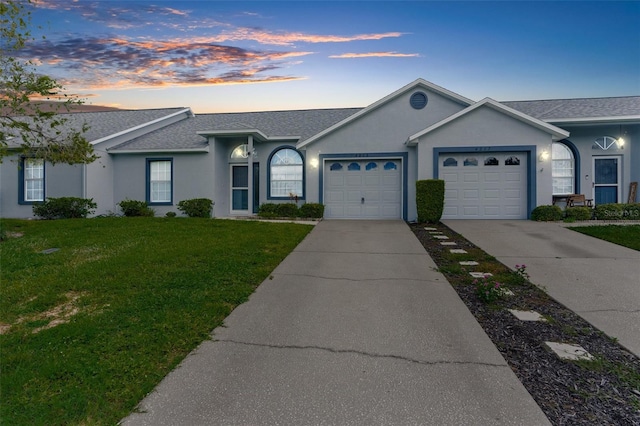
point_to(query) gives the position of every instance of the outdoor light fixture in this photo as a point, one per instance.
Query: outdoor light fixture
(314, 163)
(544, 155)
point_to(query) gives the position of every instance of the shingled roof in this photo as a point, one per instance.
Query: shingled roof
(105, 123)
(183, 135)
(582, 109)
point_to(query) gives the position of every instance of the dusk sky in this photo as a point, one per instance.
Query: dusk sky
(218, 56)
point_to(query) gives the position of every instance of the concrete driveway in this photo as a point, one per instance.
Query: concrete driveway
(600, 281)
(354, 327)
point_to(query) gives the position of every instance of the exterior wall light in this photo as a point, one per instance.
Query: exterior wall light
(620, 142)
(544, 156)
(314, 163)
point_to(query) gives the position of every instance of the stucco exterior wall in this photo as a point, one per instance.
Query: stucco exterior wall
(61, 180)
(99, 183)
(482, 129)
(382, 131)
(192, 178)
(583, 138)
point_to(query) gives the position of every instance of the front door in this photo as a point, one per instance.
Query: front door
(606, 179)
(239, 189)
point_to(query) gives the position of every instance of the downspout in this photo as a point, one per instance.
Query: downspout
(250, 175)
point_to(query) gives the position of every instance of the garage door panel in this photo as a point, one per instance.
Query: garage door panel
(370, 189)
(471, 177)
(335, 196)
(450, 177)
(474, 190)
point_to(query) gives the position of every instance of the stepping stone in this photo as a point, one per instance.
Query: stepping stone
(440, 237)
(435, 232)
(480, 274)
(448, 243)
(469, 263)
(430, 229)
(527, 315)
(457, 251)
(49, 251)
(567, 351)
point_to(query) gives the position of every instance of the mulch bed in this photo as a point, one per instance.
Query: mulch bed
(605, 391)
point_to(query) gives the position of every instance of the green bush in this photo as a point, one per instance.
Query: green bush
(268, 210)
(64, 208)
(617, 211)
(288, 210)
(136, 208)
(578, 213)
(546, 213)
(430, 200)
(312, 210)
(196, 207)
(170, 214)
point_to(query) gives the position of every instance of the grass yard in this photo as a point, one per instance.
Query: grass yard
(628, 235)
(88, 330)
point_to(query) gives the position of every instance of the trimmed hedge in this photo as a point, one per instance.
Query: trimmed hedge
(578, 213)
(64, 208)
(291, 210)
(617, 211)
(312, 210)
(196, 207)
(430, 200)
(546, 213)
(136, 208)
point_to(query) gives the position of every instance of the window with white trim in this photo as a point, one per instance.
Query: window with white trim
(33, 183)
(160, 183)
(286, 174)
(562, 169)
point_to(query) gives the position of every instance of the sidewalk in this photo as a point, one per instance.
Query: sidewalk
(354, 327)
(598, 280)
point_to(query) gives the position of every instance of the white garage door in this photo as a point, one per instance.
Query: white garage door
(362, 189)
(484, 186)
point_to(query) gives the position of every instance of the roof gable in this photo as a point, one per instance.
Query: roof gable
(419, 83)
(555, 132)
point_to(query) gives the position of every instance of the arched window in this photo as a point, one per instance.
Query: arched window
(450, 162)
(562, 169)
(286, 173)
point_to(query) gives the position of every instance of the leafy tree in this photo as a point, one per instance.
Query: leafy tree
(33, 128)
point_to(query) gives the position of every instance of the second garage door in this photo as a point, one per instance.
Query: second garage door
(484, 186)
(363, 189)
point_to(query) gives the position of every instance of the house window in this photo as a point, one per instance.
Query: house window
(159, 181)
(335, 166)
(390, 165)
(491, 161)
(470, 162)
(32, 180)
(371, 166)
(354, 167)
(450, 162)
(562, 169)
(286, 173)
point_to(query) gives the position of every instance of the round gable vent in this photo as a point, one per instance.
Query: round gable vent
(418, 100)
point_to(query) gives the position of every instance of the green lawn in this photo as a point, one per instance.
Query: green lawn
(628, 235)
(133, 297)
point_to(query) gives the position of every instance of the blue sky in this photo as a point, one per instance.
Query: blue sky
(219, 56)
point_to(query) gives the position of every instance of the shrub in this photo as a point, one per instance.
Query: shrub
(268, 210)
(578, 213)
(430, 200)
(170, 214)
(488, 290)
(546, 213)
(312, 210)
(617, 211)
(136, 208)
(196, 207)
(64, 208)
(288, 210)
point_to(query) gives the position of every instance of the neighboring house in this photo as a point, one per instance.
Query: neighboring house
(498, 159)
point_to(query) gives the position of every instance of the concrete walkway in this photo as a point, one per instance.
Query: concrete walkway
(599, 281)
(353, 328)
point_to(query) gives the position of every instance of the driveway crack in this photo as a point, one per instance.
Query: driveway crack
(362, 353)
